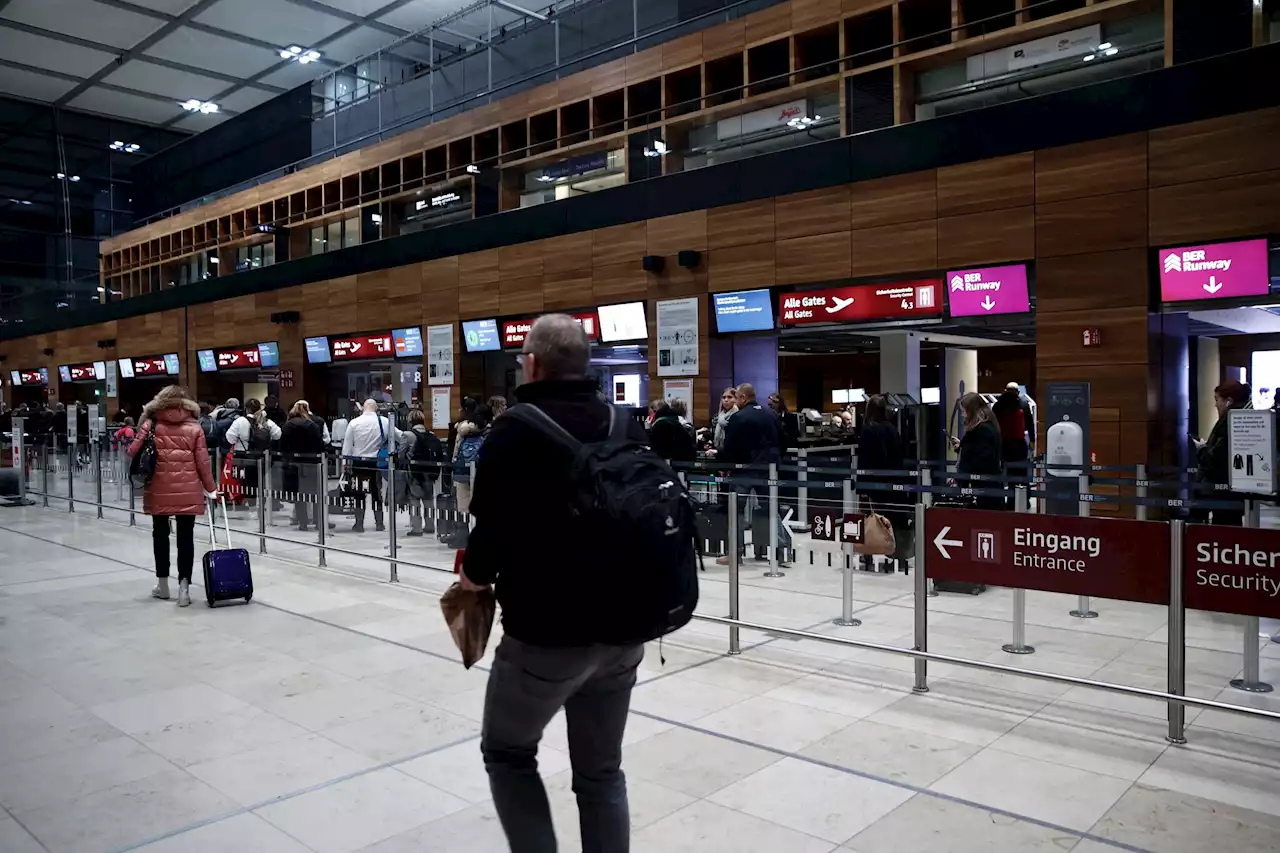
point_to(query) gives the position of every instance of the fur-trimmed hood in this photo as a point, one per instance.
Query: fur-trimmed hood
(169, 407)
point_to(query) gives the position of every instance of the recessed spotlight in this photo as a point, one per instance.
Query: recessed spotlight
(302, 55)
(1106, 45)
(1089, 58)
(75, 178)
(60, 176)
(1111, 51)
(194, 106)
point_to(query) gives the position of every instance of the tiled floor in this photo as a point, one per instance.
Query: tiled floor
(331, 715)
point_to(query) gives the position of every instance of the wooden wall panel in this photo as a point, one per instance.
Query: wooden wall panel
(567, 291)
(676, 282)
(805, 260)
(1120, 386)
(987, 185)
(1100, 167)
(1092, 282)
(669, 235)
(816, 212)
(1094, 224)
(442, 274)
(478, 268)
(746, 267)
(768, 23)
(477, 301)
(749, 223)
(1216, 148)
(1124, 339)
(983, 238)
(807, 14)
(619, 244)
(894, 249)
(520, 295)
(567, 253)
(681, 52)
(901, 198)
(644, 65)
(520, 261)
(725, 38)
(1222, 208)
(618, 283)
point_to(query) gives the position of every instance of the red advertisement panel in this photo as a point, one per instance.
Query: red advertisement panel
(514, 332)
(81, 372)
(150, 366)
(33, 377)
(1231, 570)
(1104, 557)
(862, 302)
(362, 346)
(236, 357)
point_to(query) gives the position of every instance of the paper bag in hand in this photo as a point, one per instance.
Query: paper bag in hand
(470, 619)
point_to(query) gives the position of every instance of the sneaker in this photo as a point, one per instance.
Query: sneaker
(302, 528)
(358, 528)
(381, 528)
(414, 533)
(184, 593)
(161, 590)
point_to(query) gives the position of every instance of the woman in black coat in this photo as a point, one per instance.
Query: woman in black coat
(668, 437)
(980, 449)
(880, 449)
(303, 446)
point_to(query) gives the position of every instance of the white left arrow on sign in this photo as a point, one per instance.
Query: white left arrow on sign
(941, 542)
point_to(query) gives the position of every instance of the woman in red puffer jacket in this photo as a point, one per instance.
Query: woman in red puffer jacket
(183, 480)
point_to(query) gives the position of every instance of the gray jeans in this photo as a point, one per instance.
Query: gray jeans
(527, 686)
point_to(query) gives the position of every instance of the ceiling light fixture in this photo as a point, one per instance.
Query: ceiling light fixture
(473, 169)
(303, 57)
(1111, 51)
(1089, 58)
(1106, 45)
(125, 147)
(194, 106)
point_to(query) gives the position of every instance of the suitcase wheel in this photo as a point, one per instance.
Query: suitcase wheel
(248, 598)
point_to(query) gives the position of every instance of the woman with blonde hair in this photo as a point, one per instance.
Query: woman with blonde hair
(249, 436)
(302, 443)
(182, 481)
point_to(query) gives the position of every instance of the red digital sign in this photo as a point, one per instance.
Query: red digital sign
(150, 366)
(33, 377)
(1232, 570)
(238, 357)
(862, 302)
(81, 372)
(514, 332)
(1104, 557)
(362, 346)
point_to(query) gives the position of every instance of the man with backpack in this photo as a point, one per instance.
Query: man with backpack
(564, 467)
(1013, 414)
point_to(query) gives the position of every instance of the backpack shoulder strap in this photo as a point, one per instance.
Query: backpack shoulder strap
(617, 425)
(541, 421)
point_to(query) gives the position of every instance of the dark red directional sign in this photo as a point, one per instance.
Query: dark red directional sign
(362, 346)
(238, 357)
(1232, 570)
(152, 365)
(1108, 558)
(862, 302)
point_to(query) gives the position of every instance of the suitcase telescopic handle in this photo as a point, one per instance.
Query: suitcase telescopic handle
(213, 520)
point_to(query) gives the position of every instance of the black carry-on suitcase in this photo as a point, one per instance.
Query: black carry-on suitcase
(959, 587)
(227, 575)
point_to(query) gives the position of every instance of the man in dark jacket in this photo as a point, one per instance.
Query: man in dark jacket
(549, 657)
(753, 437)
(1017, 428)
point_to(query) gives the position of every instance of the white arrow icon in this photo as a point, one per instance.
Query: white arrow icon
(942, 543)
(988, 303)
(1213, 286)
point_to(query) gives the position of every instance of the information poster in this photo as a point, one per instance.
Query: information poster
(1251, 451)
(72, 433)
(440, 408)
(678, 337)
(679, 389)
(113, 390)
(440, 357)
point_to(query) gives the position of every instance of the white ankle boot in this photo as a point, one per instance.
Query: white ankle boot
(184, 593)
(162, 589)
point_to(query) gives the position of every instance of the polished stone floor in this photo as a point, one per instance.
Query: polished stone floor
(331, 715)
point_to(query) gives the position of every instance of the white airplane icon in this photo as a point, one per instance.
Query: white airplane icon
(840, 304)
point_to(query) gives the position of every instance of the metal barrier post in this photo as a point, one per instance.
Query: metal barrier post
(926, 499)
(19, 456)
(1142, 491)
(1250, 681)
(772, 549)
(803, 477)
(846, 620)
(1177, 636)
(390, 509)
(1083, 610)
(44, 475)
(322, 509)
(96, 452)
(735, 647)
(921, 597)
(1019, 645)
(262, 508)
(266, 490)
(71, 479)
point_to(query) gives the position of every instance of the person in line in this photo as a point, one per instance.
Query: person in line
(728, 406)
(182, 482)
(788, 426)
(277, 415)
(979, 450)
(250, 436)
(753, 437)
(549, 657)
(497, 405)
(1213, 462)
(466, 451)
(125, 435)
(1013, 414)
(223, 417)
(423, 454)
(302, 443)
(668, 437)
(880, 449)
(362, 444)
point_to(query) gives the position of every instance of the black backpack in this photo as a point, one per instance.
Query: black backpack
(259, 436)
(426, 454)
(631, 512)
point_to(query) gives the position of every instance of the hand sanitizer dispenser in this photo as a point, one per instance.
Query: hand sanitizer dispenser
(1065, 446)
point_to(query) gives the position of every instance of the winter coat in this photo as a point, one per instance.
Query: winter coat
(182, 472)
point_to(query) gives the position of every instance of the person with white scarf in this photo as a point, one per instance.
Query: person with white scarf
(728, 406)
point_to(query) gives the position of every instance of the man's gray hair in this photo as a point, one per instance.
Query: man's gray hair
(232, 403)
(560, 346)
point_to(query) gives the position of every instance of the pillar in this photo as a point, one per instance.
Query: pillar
(1208, 374)
(900, 364)
(959, 377)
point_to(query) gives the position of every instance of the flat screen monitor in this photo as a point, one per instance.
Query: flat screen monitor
(1265, 371)
(126, 368)
(15, 377)
(930, 395)
(64, 373)
(408, 342)
(744, 311)
(100, 370)
(317, 350)
(269, 354)
(208, 363)
(623, 322)
(171, 365)
(840, 396)
(481, 335)
(857, 395)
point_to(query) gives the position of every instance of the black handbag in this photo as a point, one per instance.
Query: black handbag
(143, 465)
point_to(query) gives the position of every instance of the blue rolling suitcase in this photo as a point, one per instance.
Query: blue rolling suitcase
(227, 575)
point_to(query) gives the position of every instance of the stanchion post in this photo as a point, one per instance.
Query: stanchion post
(44, 476)
(803, 477)
(846, 620)
(735, 647)
(262, 508)
(772, 549)
(921, 597)
(391, 512)
(1250, 680)
(1142, 491)
(1177, 636)
(96, 452)
(1019, 645)
(19, 456)
(926, 500)
(322, 511)
(266, 489)
(71, 479)
(1083, 610)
